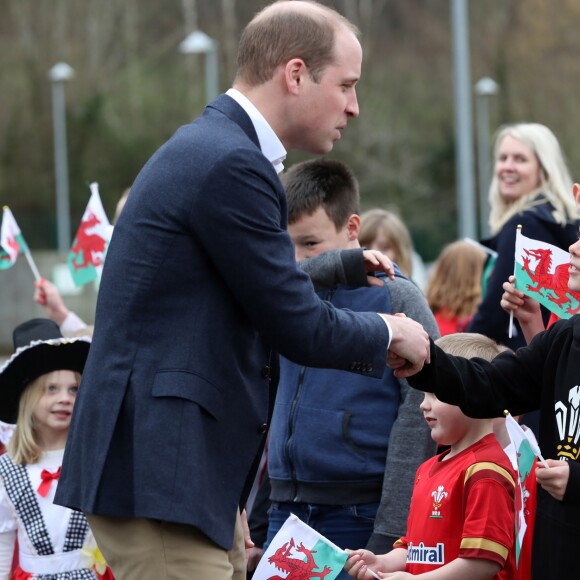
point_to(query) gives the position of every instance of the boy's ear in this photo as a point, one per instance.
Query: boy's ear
(353, 227)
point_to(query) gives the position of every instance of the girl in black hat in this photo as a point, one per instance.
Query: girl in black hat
(38, 387)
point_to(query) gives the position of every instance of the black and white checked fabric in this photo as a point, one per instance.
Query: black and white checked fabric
(76, 532)
(22, 495)
(20, 492)
(81, 574)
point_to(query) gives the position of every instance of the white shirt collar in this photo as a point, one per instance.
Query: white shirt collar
(270, 145)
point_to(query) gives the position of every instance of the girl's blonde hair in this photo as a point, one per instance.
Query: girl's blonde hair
(378, 220)
(24, 446)
(555, 181)
(455, 282)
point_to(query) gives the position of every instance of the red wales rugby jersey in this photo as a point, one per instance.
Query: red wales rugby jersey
(463, 507)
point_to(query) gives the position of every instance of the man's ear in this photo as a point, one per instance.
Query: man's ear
(353, 227)
(576, 194)
(295, 73)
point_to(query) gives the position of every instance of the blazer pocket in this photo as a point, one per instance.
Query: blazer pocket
(189, 386)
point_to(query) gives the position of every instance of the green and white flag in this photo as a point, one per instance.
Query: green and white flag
(298, 551)
(542, 272)
(526, 449)
(87, 254)
(11, 240)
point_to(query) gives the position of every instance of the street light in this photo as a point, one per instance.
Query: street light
(199, 42)
(59, 74)
(463, 130)
(484, 89)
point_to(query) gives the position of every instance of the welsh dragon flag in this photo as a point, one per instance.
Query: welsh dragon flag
(298, 551)
(11, 240)
(542, 272)
(526, 449)
(87, 254)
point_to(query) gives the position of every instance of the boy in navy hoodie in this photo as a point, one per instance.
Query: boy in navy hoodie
(344, 447)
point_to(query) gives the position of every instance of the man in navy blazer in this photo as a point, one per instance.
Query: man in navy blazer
(199, 291)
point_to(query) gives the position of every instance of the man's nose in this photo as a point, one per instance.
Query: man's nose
(352, 107)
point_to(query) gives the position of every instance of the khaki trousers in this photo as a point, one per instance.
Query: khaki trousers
(142, 549)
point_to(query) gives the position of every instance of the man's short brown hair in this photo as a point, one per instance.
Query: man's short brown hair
(285, 30)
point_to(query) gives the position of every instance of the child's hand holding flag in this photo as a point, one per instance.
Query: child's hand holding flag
(541, 272)
(555, 479)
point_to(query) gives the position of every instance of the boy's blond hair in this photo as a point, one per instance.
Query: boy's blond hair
(471, 345)
(24, 446)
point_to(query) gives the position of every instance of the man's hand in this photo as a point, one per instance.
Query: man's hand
(377, 261)
(409, 349)
(246, 529)
(555, 479)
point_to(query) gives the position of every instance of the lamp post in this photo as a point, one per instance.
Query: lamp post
(59, 74)
(484, 89)
(199, 42)
(463, 130)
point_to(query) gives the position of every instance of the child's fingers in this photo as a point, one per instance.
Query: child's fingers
(510, 289)
(354, 564)
(352, 559)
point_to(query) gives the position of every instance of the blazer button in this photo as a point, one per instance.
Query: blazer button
(266, 372)
(262, 428)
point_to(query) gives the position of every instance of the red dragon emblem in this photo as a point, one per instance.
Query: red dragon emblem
(88, 243)
(556, 282)
(296, 568)
(11, 254)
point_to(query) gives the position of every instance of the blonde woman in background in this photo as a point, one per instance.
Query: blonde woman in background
(454, 287)
(384, 231)
(531, 186)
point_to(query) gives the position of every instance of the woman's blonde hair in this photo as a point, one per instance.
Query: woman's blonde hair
(24, 446)
(378, 220)
(555, 181)
(455, 282)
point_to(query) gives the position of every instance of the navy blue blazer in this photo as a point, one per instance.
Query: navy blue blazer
(200, 283)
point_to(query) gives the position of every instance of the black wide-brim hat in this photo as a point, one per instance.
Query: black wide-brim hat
(40, 348)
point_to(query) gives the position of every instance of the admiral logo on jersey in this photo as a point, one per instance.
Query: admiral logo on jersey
(422, 554)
